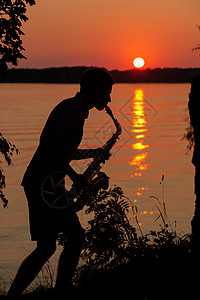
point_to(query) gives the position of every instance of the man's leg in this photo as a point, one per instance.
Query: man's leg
(68, 262)
(31, 267)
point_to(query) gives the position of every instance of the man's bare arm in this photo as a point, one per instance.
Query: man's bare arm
(83, 154)
(90, 153)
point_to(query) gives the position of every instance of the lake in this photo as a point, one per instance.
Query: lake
(148, 162)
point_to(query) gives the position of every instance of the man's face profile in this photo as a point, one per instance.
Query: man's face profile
(102, 96)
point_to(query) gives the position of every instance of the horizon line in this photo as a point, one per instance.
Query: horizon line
(82, 66)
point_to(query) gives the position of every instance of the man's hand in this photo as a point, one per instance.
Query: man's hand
(80, 181)
(102, 154)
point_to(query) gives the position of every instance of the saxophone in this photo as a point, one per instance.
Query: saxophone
(53, 189)
(97, 180)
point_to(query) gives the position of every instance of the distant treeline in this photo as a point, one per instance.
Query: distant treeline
(72, 75)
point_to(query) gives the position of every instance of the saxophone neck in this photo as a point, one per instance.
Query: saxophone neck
(115, 121)
(110, 143)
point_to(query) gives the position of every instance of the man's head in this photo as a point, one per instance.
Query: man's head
(96, 86)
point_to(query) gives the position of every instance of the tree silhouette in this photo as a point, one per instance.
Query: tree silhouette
(12, 15)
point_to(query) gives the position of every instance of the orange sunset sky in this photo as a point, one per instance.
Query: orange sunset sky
(111, 33)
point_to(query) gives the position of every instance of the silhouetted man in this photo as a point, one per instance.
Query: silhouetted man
(194, 100)
(58, 145)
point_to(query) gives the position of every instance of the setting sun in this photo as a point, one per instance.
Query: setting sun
(138, 62)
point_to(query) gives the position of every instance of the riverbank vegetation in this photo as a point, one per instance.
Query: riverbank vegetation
(119, 264)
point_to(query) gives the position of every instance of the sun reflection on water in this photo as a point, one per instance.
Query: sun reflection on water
(139, 123)
(139, 128)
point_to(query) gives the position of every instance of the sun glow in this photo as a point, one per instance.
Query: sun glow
(138, 62)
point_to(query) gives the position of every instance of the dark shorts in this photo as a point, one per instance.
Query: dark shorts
(46, 222)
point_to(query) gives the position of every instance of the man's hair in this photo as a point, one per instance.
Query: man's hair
(95, 77)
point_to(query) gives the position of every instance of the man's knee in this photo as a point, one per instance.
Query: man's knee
(78, 238)
(46, 248)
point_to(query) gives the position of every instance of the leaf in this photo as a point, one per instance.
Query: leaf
(31, 2)
(7, 150)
